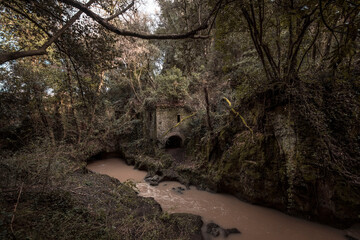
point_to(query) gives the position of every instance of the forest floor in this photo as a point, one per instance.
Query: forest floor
(85, 205)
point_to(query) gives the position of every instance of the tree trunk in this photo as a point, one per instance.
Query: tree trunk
(73, 119)
(209, 124)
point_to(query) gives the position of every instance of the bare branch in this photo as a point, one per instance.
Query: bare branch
(120, 11)
(4, 57)
(308, 49)
(123, 32)
(325, 23)
(84, 8)
(66, 26)
(218, 6)
(15, 207)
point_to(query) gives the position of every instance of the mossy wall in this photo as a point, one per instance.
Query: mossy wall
(284, 166)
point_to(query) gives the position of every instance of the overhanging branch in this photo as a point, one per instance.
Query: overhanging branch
(8, 56)
(84, 8)
(120, 11)
(4, 57)
(127, 33)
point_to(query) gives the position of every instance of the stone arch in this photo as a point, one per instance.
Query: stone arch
(174, 140)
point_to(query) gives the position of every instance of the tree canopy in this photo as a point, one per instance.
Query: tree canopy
(47, 20)
(266, 94)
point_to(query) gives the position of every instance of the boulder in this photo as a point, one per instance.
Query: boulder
(153, 180)
(229, 231)
(213, 229)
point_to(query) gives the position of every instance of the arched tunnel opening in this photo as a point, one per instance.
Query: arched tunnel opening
(173, 142)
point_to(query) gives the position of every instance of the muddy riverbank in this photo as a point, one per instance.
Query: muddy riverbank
(252, 221)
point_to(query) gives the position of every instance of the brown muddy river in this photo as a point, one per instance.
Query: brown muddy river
(254, 222)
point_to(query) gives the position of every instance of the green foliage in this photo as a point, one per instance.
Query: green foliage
(18, 32)
(181, 16)
(89, 93)
(172, 85)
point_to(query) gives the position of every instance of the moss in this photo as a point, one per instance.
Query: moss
(309, 173)
(247, 149)
(53, 215)
(253, 172)
(245, 157)
(188, 224)
(227, 166)
(344, 192)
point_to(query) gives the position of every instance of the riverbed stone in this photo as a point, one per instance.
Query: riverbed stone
(213, 229)
(191, 224)
(153, 180)
(229, 231)
(179, 189)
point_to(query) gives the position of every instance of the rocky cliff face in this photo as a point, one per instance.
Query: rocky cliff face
(302, 155)
(287, 166)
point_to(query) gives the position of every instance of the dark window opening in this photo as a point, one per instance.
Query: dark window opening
(178, 118)
(173, 142)
(150, 116)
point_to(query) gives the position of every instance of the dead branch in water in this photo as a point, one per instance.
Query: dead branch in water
(15, 207)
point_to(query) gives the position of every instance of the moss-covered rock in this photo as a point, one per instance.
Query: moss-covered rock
(288, 165)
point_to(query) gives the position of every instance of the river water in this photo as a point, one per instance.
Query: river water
(254, 222)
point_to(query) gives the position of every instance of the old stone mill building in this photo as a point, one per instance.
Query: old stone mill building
(164, 123)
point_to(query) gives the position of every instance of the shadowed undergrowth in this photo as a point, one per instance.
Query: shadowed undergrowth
(64, 201)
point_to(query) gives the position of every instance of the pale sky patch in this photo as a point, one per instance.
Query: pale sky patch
(149, 7)
(152, 9)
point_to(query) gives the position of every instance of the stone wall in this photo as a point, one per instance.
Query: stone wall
(150, 124)
(166, 119)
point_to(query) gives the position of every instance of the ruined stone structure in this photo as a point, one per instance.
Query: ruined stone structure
(161, 124)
